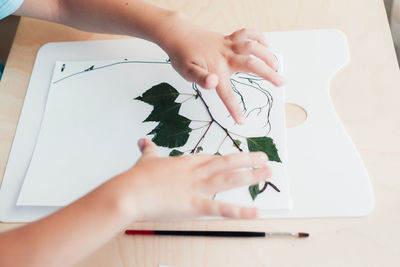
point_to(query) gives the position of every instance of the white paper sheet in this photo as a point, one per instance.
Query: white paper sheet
(92, 123)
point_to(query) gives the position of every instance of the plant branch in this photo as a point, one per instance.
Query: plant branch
(212, 117)
(228, 134)
(271, 184)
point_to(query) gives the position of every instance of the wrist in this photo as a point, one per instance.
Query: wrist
(121, 200)
(171, 31)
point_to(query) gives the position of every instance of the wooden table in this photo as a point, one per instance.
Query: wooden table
(366, 95)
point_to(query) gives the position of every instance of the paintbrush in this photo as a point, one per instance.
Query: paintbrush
(217, 233)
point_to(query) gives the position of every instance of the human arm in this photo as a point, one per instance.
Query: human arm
(154, 189)
(199, 55)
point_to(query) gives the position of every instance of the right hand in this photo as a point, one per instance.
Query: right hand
(209, 58)
(182, 187)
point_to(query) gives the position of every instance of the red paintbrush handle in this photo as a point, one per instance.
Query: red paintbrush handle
(139, 232)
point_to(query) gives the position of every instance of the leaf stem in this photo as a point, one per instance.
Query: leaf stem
(187, 94)
(223, 140)
(201, 121)
(201, 127)
(201, 138)
(188, 99)
(237, 134)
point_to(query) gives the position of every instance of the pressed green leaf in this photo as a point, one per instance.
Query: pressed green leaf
(175, 153)
(265, 144)
(172, 133)
(173, 129)
(158, 94)
(238, 142)
(199, 149)
(254, 191)
(164, 111)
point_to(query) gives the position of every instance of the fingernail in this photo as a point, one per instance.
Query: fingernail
(211, 81)
(268, 172)
(280, 81)
(141, 144)
(240, 120)
(264, 156)
(251, 213)
(255, 213)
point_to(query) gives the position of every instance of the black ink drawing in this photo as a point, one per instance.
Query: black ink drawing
(253, 82)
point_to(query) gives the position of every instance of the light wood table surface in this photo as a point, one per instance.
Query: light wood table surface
(366, 95)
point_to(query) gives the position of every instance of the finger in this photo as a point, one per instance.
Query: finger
(251, 34)
(197, 159)
(249, 64)
(201, 76)
(225, 181)
(225, 92)
(208, 207)
(233, 162)
(147, 147)
(248, 48)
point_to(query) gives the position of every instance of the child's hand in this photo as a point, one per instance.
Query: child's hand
(183, 187)
(209, 59)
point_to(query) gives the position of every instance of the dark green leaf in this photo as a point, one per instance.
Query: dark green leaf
(254, 191)
(238, 142)
(175, 153)
(199, 149)
(158, 94)
(163, 112)
(172, 133)
(173, 129)
(217, 153)
(265, 144)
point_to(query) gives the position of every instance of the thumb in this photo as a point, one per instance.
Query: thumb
(147, 147)
(202, 77)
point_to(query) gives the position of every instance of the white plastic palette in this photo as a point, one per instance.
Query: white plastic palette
(318, 187)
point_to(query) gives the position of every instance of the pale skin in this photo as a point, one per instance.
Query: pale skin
(189, 182)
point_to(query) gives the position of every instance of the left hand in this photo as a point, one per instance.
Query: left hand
(209, 59)
(181, 187)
